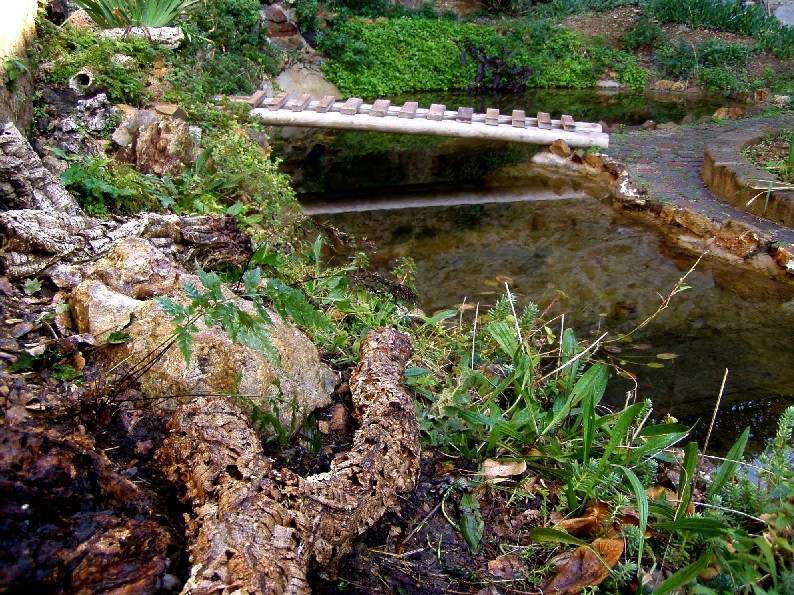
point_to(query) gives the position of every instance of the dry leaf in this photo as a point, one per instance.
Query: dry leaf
(492, 468)
(582, 567)
(662, 493)
(507, 567)
(594, 520)
(666, 355)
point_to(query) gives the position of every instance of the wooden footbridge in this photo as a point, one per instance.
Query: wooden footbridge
(381, 116)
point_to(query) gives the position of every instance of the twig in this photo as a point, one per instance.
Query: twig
(713, 417)
(573, 359)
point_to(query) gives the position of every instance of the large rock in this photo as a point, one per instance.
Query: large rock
(157, 143)
(124, 283)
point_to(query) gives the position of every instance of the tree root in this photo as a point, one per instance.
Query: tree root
(34, 239)
(260, 530)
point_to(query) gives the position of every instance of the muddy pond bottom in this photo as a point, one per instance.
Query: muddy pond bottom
(604, 272)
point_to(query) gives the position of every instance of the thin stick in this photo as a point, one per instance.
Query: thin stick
(515, 318)
(713, 417)
(474, 332)
(573, 359)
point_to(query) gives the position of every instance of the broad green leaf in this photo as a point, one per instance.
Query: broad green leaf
(691, 524)
(728, 468)
(436, 318)
(642, 507)
(662, 430)
(471, 524)
(684, 576)
(593, 383)
(687, 478)
(505, 335)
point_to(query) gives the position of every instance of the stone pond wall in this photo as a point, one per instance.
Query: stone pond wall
(16, 32)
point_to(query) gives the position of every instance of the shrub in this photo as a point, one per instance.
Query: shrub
(645, 34)
(71, 50)
(682, 60)
(720, 78)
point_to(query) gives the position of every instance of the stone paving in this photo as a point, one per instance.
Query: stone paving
(667, 164)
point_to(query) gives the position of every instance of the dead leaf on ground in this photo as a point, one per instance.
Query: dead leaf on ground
(582, 567)
(492, 468)
(661, 493)
(506, 567)
(594, 520)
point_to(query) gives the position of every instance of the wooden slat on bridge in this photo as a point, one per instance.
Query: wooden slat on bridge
(437, 120)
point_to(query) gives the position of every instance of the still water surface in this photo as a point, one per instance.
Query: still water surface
(559, 241)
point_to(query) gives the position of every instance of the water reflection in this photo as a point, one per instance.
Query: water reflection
(606, 273)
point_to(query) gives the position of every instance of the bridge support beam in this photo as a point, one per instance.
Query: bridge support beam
(592, 137)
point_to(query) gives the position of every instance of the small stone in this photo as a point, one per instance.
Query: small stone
(728, 113)
(560, 148)
(666, 126)
(663, 85)
(648, 125)
(695, 222)
(678, 86)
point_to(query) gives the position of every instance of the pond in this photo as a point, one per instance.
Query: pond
(557, 241)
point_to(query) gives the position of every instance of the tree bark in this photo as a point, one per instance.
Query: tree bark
(260, 530)
(32, 240)
(24, 181)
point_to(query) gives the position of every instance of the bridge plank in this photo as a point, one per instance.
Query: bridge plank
(278, 101)
(492, 116)
(408, 110)
(464, 114)
(567, 122)
(436, 112)
(519, 118)
(301, 102)
(257, 99)
(350, 108)
(544, 120)
(325, 104)
(379, 108)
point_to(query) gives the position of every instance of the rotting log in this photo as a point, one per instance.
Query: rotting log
(33, 239)
(24, 181)
(260, 530)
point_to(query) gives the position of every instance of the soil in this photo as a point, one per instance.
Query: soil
(614, 24)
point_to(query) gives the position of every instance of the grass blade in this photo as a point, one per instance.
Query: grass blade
(687, 478)
(728, 468)
(684, 576)
(642, 507)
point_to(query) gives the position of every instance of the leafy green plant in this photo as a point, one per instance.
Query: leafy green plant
(645, 33)
(71, 50)
(110, 14)
(102, 186)
(14, 66)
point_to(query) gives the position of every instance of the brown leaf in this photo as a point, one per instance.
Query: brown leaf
(662, 493)
(593, 521)
(507, 567)
(492, 468)
(582, 567)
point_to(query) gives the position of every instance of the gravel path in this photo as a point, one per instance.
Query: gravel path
(667, 163)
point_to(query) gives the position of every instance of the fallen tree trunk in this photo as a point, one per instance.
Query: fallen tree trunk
(260, 530)
(24, 181)
(32, 239)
